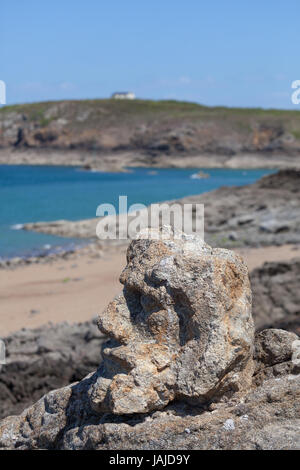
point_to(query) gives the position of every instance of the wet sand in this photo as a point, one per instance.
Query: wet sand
(74, 291)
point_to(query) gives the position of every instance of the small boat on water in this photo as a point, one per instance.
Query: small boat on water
(200, 175)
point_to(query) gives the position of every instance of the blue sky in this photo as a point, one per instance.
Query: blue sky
(222, 52)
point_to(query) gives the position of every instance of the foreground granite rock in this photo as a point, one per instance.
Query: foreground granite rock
(182, 369)
(181, 329)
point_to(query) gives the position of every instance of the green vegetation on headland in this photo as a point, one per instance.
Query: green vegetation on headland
(148, 108)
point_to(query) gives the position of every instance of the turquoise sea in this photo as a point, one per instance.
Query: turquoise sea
(45, 193)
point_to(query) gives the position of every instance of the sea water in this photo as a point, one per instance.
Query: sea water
(46, 193)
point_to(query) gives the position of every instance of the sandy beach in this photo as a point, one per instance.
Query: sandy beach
(34, 295)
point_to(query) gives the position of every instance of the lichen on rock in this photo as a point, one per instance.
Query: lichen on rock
(181, 329)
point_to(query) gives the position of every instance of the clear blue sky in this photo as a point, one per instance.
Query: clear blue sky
(222, 52)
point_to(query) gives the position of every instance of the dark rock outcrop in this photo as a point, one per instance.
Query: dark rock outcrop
(46, 358)
(276, 295)
(260, 214)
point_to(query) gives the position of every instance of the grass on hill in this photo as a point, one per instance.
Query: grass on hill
(106, 112)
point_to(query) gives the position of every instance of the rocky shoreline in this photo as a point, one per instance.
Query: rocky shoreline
(93, 250)
(265, 213)
(260, 214)
(122, 161)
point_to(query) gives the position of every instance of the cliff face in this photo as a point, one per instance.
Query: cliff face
(151, 128)
(182, 369)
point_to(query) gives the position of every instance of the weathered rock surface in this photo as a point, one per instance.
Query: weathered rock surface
(46, 358)
(181, 329)
(274, 346)
(277, 353)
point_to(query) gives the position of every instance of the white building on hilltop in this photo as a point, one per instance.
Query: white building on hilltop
(123, 95)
